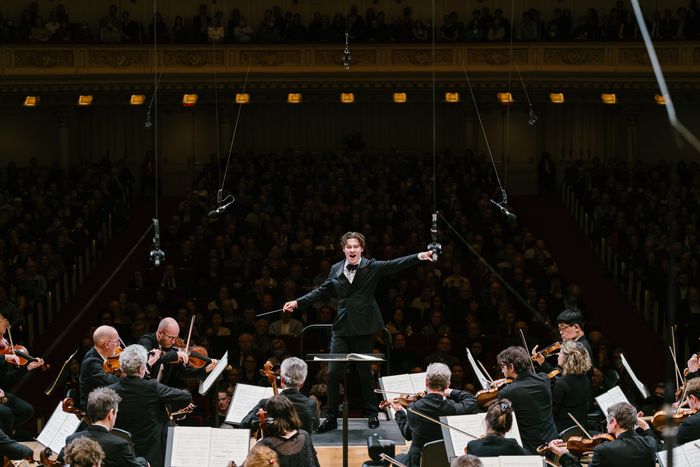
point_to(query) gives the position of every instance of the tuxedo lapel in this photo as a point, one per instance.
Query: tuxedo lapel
(361, 272)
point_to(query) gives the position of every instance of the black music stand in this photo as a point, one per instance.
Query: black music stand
(347, 358)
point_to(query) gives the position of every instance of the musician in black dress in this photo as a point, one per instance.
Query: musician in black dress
(689, 429)
(531, 398)
(629, 447)
(572, 391)
(498, 421)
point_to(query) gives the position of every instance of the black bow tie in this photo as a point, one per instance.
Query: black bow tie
(352, 267)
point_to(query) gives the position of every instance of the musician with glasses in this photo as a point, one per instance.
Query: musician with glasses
(92, 373)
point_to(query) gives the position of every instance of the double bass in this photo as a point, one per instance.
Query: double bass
(269, 373)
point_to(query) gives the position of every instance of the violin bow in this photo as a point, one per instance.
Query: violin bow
(9, 334)
(391, 460)
(431, 419)
(61, 373)
(522, 336)
(189, 335)
(580, 426)
(675, 365)
(484, 370)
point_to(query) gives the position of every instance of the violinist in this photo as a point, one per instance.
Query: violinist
(293, 373)
(629, 447)
(439, 401)
(102, 407)
(570, 323)
(141, 406)
(498, 421)
(164, 355)
(15, 411)
(92, 373)
(531, 398)
(572, 391)
(689, 429)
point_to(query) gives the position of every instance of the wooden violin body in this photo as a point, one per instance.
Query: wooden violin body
(403, 399)
(580, 445)
(547, 351)
(486, 397)
(658, 420)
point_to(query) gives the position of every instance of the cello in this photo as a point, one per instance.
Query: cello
(262, 415)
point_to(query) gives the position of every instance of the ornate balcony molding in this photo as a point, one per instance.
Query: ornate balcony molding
(542, 62)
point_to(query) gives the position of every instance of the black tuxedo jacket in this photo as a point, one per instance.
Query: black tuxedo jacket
(118, 451)
(141, 413)
(689, 430)
(12, 449)
(571, 394)
(173, 374)
(494, 446)
(629, 449)
(306, 408)
(421, 431)
(532, 405)
(92, 375)
(358, 311)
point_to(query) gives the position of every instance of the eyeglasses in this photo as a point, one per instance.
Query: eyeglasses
(564, 327)
(172, 338)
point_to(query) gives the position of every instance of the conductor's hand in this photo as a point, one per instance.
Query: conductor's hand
(425, 256)
(290, 306)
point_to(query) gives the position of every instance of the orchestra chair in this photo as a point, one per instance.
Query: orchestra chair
(434, 454)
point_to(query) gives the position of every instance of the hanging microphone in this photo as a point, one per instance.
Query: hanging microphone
(220, 209)
(346, 53)
(503, 206)
(434, 247)
(156, 255)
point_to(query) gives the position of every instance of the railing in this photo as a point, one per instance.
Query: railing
(60, 291)
(627, 278)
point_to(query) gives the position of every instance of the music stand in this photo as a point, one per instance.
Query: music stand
(347, 358)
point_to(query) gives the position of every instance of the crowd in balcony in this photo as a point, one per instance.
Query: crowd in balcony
(48, 218)
(648, 214)
(280, 237)
(280, 26)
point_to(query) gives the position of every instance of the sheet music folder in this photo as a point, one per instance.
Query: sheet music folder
(200, 446)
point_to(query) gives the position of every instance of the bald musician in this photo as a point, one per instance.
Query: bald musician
(162, 351)
(92, 373)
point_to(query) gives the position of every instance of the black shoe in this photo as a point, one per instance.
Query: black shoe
(372, 421)
(330, 423)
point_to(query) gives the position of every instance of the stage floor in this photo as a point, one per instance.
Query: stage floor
(329, 445)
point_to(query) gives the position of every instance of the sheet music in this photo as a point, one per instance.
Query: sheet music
(418, 380)
(245, 397)
(58, 428)
(609, 398)
(190, 446)
(685, 455)
(485, 384)
(351, 357)
(231, 445)
(472, 424)
(402, 384)
(640, 386)
(205, 385)
(521, 461)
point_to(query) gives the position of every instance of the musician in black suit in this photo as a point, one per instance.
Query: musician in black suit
(530, 396)
(12, 449)
(293, 373)
(570, 323)
(353, 282)
(439, 401)
(92, 373)
(498, 421)
(163, 356)
(629, 447)
(102, 407)
(689, 429)
(141, 408)
(572, 390)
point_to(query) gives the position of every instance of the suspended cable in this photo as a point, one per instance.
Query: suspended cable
(506, 143)
(434, 117)
(235, 130)
(659, 74)
(156, 255)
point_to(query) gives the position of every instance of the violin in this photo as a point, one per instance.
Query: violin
(21, 352)
(270, 375)
(198, 356)
(547, 351)
(486, 397)
(403, 399)
(45, 458)
(580, 445)
(658, 420)
(262, 422)
(111, 364)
